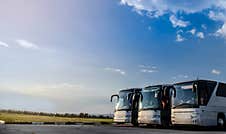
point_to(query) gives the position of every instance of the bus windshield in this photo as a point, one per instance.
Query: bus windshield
(185, 96)
(151, 98)
(124, 102)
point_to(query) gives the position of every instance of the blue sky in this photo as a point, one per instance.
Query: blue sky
(70, 56)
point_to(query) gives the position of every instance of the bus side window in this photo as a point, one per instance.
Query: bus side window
(202, 93)
(221, 90)
(206, 90)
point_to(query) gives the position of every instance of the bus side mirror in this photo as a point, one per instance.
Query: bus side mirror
(165, 90)
(115, 95)
(156, 94)
(141, 97)
(174, 92)
(194, 88)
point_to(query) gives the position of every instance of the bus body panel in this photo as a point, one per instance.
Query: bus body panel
(154, 114)
(126, 113)
(149, 117)
(122, 117)
(195, 116)
(208, 116)
(202, 116)
(188, 116)
(215, 106)
(217, 102)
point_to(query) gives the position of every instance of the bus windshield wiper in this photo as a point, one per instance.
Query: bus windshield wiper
(183, 105)
(150, 108)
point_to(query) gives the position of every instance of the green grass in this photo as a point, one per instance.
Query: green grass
(20, 118)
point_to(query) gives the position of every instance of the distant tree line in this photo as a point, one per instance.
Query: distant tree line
(70, 115)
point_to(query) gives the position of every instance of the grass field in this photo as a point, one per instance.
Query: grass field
(20, 118)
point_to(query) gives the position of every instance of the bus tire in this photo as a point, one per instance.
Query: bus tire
(221, 120)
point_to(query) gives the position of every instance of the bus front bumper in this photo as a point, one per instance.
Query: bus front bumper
(122, 117)
(151, 117)
(185, 117)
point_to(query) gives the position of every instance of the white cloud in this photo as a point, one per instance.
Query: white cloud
(216, 72)
(192, 31)
(116, 70)
(148, 69)
(222, 31)
(180, 31)
(179, 38)
(217, 16)
(200, 35)
(157, 8)
(204, 26)
(178, 23)
(3, 44)
(160, 7)
(27, 44)
(138, 11)
(147, 66)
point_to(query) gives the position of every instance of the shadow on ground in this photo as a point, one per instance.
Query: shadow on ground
(183, 128)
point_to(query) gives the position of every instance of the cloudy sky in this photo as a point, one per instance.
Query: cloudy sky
(71, 55)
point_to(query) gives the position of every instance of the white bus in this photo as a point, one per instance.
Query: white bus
(126, 110)
(154, 107)
(199, 102)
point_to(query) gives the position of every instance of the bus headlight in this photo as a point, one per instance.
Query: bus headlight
(195, 118)
(194, 115)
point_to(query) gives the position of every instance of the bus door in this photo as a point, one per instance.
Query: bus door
(166, 106)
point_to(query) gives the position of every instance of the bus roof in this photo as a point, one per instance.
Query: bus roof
(131, 89)
(191, 81)
(159, 85)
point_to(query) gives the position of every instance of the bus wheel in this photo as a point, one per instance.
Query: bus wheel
(221, 121)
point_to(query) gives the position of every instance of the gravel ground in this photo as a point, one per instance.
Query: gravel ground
(90, 129)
